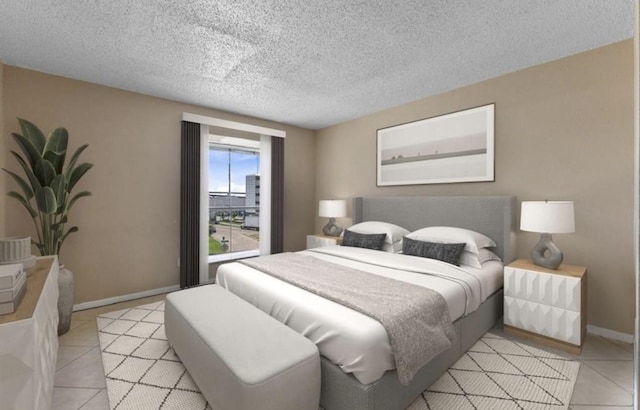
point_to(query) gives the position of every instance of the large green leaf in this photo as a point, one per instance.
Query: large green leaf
(58, 186)
(30, 151)
(28, 192)
(76, 174)
(70, 231)
(61, 222)
(44, 172)
(33, 134)
(56, 148)
(56, 160)
(74, 159)
(59, 226)
(46, 200)
(35, 184)
(24, 202)
(76, 197)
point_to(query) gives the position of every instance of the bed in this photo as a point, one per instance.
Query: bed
(358, 370)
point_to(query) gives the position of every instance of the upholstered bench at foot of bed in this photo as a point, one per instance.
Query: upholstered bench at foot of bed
(240, 357)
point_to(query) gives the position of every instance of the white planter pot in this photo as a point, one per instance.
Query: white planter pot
(65, 299)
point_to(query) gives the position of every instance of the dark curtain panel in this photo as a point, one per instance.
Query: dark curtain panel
(277, 194)
(190, 205)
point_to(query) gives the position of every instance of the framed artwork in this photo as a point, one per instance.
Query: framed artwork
(455, 147)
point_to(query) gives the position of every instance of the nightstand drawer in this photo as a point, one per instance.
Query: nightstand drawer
(548, 289)
(560, 324)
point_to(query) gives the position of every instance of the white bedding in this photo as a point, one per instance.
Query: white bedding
(351, 340)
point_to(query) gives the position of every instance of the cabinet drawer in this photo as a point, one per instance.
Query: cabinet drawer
(559, 291)
(556, 323)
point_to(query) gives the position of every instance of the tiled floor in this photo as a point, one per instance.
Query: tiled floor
(79, 381)
(605, 381)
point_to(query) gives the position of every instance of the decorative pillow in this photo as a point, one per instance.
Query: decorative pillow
(448, 234)
(445, 252)
(476, 260)
(394, 233)
(361, 240)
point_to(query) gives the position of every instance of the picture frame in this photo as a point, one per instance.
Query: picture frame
(449, 148)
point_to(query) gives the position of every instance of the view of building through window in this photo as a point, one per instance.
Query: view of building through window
(234, 198)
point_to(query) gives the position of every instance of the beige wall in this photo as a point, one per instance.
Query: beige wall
(129, 229)
(564, 130)
(3, 150)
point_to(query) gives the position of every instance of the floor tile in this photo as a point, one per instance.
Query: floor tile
(619, 372)
(86, 371)
(71, 398)
(67, 354)
(594, 389)
(99, 402)
(76, 322)
(599, 348)
(626, 346)
(83, 335)
(85, 315)
(82, 316)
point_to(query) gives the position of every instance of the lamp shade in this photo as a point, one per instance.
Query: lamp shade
(547, 216)
(333, 208)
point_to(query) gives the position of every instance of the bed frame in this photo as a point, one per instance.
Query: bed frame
(493, 216)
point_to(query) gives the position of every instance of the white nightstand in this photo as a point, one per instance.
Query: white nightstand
(545, 305)
(318, 240)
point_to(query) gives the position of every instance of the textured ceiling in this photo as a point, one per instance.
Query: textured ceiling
(310, 63)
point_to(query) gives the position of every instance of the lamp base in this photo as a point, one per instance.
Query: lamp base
(331, 229)
(546, 253)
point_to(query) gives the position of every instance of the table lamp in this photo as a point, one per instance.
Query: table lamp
(547, 217)
(332, 209)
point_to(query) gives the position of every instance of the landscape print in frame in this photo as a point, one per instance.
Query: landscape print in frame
(455, 147)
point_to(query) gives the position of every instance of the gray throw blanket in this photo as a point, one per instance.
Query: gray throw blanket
(416, 319)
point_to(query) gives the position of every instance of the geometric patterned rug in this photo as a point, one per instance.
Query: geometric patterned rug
(143, 372)
(501, 373)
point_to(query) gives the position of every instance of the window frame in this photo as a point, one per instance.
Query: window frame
(266, 135)
(229, 256)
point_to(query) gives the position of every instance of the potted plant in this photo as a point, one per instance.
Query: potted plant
(47, 196)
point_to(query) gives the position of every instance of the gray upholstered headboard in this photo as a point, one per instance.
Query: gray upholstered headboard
(493, 216)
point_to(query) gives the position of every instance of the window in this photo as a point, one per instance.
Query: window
(195, 261)
(234, 197)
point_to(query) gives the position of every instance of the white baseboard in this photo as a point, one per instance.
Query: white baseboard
(124, 298)
(610, 334)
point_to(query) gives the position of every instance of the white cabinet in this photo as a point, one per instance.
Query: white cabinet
(546, 305)
(316, 241)
(29, 342)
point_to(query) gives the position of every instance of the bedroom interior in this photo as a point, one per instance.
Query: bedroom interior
(564, 131)
(493, 216)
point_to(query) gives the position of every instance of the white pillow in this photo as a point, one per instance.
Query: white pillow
(395, 247)
(448, 234)
(395, 233)
(476, 260)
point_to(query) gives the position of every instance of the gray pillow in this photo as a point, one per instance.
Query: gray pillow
(360, 240)
(445, 252)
